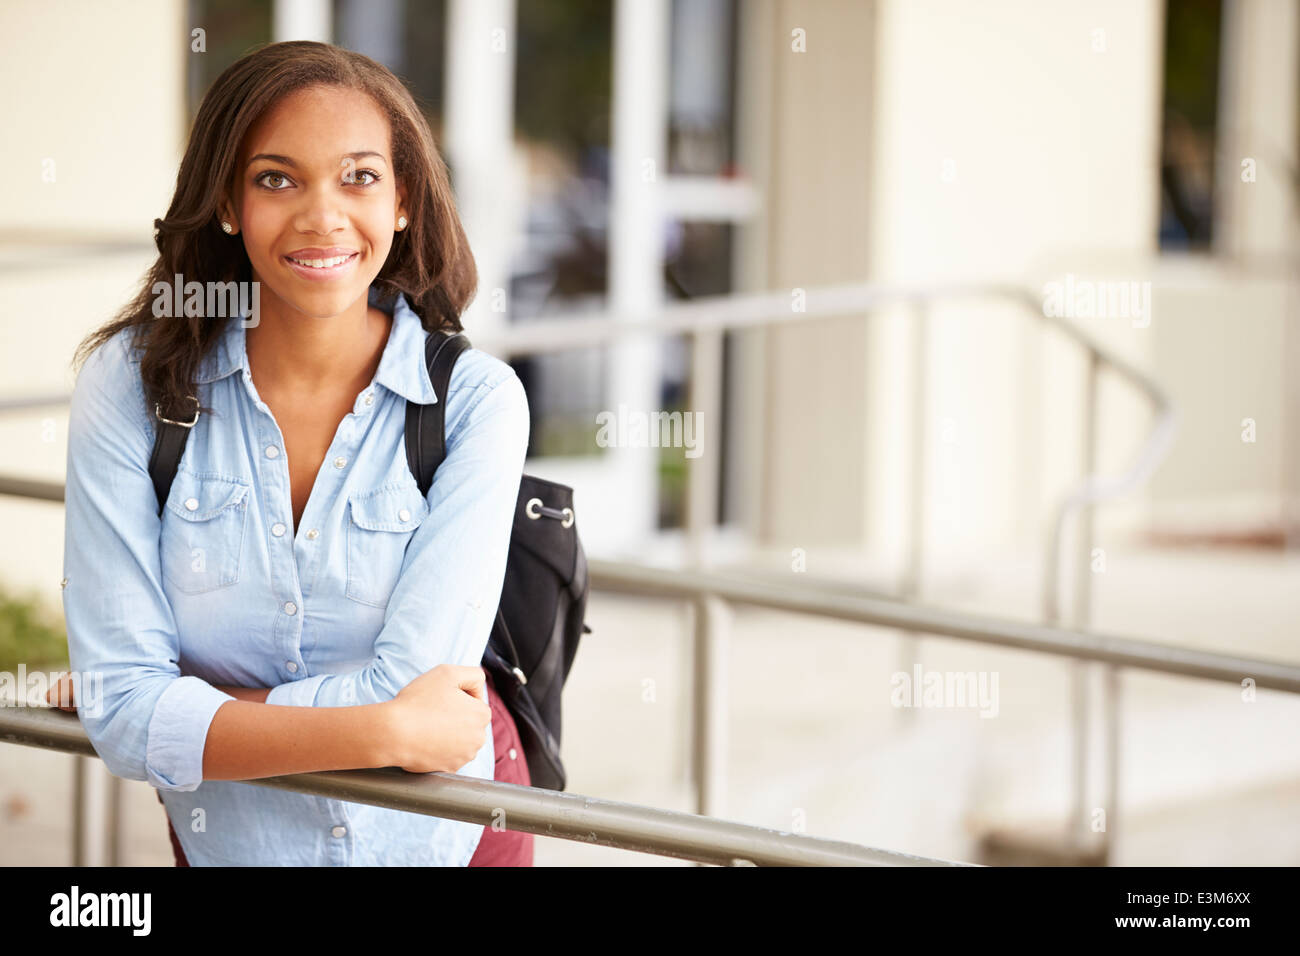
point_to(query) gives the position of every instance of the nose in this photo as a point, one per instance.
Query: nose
(321, 211)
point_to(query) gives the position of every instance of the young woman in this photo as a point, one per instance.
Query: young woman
(298, 605)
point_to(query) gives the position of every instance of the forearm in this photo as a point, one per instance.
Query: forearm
(248, 740)
(256, 694)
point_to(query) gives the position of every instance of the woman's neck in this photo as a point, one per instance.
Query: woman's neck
(290, 353)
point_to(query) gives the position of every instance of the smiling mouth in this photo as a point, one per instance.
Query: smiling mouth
(332, 262)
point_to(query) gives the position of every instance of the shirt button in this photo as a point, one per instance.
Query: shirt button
(313, 534)
(290, 608)
(512, 753)
(340, 461)
(272, 451)
(404, 515)
(370, 398)
(291, 667)
(339, 831)
(191, 504)
(277, 529)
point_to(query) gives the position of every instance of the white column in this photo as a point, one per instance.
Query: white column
(1257, 122)
(479, 146)
(302, 20)
(638, 158)
(1255, 174)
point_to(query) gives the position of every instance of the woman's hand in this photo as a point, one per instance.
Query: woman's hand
(439, 720)
(61, 691)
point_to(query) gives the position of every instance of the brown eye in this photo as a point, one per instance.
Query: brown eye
(264, 179)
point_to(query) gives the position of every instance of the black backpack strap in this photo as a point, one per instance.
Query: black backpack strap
(425, 441)
(426, 444)
(168, 447)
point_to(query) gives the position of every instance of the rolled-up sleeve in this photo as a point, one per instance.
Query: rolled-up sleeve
(444, 603)
(143, 718)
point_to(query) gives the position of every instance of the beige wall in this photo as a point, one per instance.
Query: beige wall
(928, 141)
(98, 88)
(814, 476)
(1222, 356)
(937, 141)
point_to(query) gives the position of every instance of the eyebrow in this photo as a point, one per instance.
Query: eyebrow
(286, 161)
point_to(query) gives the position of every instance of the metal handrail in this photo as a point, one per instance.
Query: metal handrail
(31, 488)
(963, 625)
(24, 402)
(551, 813)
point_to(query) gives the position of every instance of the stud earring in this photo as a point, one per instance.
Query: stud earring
(227, 227)
(401, 222)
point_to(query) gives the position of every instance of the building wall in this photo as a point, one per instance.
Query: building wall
(817, 199)
(96, 87)
(1012, 142)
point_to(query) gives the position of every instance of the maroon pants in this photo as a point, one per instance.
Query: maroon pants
(496, 847)
(505, 847)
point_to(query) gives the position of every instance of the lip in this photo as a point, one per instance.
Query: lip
(324, 274)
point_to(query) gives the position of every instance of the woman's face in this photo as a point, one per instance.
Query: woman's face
(316, 200)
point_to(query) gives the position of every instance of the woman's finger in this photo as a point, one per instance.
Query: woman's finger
(474, 683)
(60, 694)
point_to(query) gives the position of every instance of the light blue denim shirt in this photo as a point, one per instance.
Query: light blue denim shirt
(377, 585)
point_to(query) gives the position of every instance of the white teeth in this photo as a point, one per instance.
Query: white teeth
(322, 263)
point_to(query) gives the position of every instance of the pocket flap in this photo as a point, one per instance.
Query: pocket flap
(391, 508)
(203, 497)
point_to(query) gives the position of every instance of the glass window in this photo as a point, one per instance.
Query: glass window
(231, 29)
(1189, 141)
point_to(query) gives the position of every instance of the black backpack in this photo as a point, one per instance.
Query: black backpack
(539, 620)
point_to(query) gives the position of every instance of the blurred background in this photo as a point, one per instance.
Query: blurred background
(914, 267)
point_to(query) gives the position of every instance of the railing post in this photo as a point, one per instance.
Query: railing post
(88, 806)
(114, 821)
(703, 471)
(910, 586)
(1080, 671)
(78, 811)
(709, 753)
(709, 698)
(1111, 703)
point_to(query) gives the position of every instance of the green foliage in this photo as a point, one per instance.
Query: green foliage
(29, 635)
(673, 478)
(564, 72)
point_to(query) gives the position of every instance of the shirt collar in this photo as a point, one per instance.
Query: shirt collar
(401, 368)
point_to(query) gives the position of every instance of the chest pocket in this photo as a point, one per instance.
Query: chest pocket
(381, 523)
(203, 531)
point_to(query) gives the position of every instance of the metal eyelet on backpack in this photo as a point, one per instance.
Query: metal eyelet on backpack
(565, 517)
